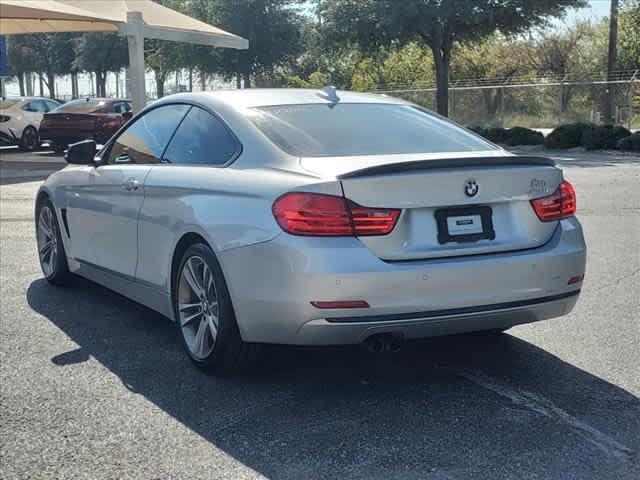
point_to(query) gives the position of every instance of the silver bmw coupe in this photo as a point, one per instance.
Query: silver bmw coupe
(312, 218)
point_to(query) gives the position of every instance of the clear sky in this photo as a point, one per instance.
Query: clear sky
(596, 10)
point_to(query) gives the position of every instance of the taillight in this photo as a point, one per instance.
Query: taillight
(561, 204)
(316, 214)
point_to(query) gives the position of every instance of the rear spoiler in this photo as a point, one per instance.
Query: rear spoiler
(444, 163)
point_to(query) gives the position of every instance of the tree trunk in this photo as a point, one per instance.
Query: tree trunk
(238, 80)
(203, 80)
(74, 85)
(244, 68)
(191, 79)
(100, 87)
(103, 83)
(51, 84)
(608, 111)
(21, 83)
(160, 79)
(491, 100)
(442, 58)
(41, 84)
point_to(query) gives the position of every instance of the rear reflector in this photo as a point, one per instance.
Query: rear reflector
(342, 304)
(560, 204)
(315, 214)
(575, 279)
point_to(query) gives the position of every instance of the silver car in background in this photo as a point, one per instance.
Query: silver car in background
(312, 218)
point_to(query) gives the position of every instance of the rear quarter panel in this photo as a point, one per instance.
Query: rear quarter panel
(230, 208)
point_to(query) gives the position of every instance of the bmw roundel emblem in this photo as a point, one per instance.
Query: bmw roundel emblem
(471, 188)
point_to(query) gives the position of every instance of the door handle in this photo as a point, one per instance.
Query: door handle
(130, 184)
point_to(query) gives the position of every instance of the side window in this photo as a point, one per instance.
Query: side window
(201, 139)
(121, 107)
(51, 105)
(145, 139)
(34, 106)
(40, 106)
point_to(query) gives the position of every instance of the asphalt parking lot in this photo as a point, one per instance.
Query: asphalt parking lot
(94, 386)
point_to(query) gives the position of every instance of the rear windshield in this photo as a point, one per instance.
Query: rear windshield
(7, 102)
(81, 106)
(318, 130)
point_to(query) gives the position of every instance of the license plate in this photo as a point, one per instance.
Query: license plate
(464, 224)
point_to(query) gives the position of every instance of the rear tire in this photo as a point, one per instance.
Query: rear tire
(53, 258)
(30, 141)
(204, 314)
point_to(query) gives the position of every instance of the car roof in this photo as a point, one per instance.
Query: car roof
(256, 97)
(28, 99)
(99, 99)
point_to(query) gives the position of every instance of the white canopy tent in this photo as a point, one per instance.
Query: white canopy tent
(135, 19)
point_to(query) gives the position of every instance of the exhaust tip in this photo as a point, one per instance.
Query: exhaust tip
(383, 342)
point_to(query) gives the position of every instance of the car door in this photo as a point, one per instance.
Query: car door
(31, 115)
(192, 173)
(103, 210)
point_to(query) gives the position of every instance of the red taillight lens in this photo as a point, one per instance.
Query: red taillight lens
(315, 214)
(561, 204)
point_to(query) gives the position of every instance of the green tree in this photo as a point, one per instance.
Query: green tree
(100, 53)
(440, 24)
(164, 57)
(22, 58)
(572, 53)
(494, 58)
(271, 26)
(48, 54)
(629, 36)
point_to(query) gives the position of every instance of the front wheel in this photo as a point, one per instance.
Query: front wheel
(204, 314)
(53, 259)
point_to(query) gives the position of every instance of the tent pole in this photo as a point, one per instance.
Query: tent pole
(135, 40)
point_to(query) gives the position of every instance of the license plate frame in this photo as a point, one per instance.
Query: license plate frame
(486, 218)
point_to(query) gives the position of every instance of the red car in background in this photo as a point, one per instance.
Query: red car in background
(89, 118)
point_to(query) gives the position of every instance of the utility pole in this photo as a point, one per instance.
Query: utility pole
(611, 62)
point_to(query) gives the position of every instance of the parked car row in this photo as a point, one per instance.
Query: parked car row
(28, 122)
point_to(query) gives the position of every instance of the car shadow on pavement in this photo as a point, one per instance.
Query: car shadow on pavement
(472, 406)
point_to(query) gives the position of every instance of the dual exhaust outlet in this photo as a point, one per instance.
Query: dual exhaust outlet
(383, 342)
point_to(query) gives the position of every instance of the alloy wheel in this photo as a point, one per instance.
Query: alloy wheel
(47, 241)
(198, 307)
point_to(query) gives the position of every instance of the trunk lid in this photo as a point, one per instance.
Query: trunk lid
(451, 206)
(72, 122)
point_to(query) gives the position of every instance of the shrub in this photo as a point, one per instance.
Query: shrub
(479, 130)
(603, 137)
(567, 136)
(630, 143)
(523, 136)
(496, 134)
(493, 134)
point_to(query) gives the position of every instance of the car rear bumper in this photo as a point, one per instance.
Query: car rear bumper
(273, 283)
(62, 136)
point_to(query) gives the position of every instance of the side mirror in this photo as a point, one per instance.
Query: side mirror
(81, 153)
(127, 116)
